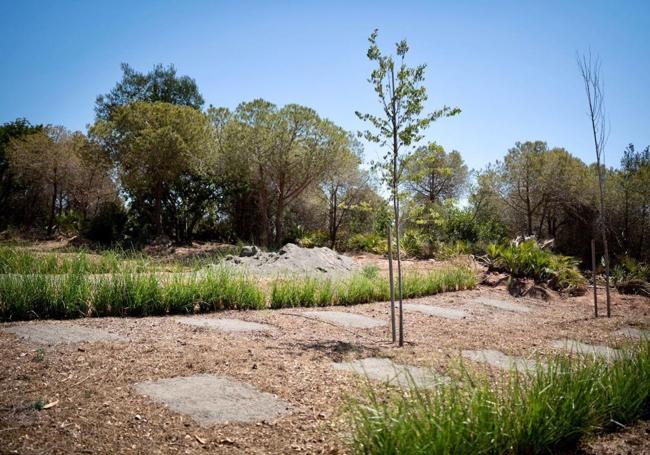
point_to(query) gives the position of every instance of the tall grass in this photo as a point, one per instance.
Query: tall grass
(365, 287)
(549, 410)
(124, 294)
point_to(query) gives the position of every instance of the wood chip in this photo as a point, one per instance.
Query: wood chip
(51, 404)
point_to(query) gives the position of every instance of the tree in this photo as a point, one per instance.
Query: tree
(9, 131)
(161, 84)
(156, 148)
(400, 125)
(434, 175)
(61, 171)
(287, 150)
(343, 189)
(590, 72)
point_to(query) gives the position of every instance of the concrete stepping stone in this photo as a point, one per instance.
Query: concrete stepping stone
(351, 320)
(210, 399)
(447, 313)
(632, 332)
(51, 333)
(226, 325)
(502, 305)
(500, 360)
(380, 369)
(583, 348)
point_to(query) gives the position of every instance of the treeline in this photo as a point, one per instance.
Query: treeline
(157, 164)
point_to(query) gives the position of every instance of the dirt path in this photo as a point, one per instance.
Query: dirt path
(99, 409)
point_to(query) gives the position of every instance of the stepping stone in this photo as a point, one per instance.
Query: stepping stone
(583, 348)
(500, 360)
(448, 313)
(226, 325)
(632, 332)
(212, 399)
(50, 333)
(502, 305)
(380, 369)
(355, 321)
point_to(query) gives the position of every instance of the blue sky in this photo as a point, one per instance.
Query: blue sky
(509, 65)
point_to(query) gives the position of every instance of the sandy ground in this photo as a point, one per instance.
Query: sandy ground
(99, 410)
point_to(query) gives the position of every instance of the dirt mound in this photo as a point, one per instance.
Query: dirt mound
(292, 259)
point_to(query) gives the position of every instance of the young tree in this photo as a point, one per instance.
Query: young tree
(400, 125)
(590, 72)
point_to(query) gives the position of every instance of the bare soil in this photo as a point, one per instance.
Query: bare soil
(96, 408)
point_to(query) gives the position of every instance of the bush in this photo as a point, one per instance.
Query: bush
(415, 244)
(528, 260)
(369, 243)
(542, 413)
(630, 269)
(107, 227)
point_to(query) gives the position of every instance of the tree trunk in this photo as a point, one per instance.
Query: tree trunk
(391, 285)
(50, 222)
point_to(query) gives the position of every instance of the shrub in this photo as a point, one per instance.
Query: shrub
(547, 411)
(369, 243)
(629, 268)
(528, 260)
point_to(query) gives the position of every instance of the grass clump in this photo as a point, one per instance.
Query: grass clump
(528, 260)
(124, 294)
(365, 287)
(548, 410)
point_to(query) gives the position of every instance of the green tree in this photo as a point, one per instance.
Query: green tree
(161, 84)
(284, 151)
(402, 96)
(433, 175)
(11, 131)
(155, 148)
(62, 171)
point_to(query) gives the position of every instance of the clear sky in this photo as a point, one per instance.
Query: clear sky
(509, 65)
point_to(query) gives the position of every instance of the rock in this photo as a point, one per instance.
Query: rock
(248, 251)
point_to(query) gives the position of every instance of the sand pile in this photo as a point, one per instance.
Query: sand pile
(292, 259)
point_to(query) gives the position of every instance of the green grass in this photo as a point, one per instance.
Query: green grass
(124, 294)
(518, 414)
(77, 286)
(365, 287)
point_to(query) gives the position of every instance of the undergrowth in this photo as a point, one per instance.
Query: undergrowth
(528, 260)
(518, 414)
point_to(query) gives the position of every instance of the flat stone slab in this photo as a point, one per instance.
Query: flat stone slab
(226, 325)
(352, 320)
(380, 369)
(500, 360)
(60, 333)
(632, 332)
(583, 348)
(210, 399)
(502, 305)
(447, 313)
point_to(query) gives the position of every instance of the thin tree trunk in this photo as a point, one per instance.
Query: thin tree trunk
(391, 285)
(606, 250)
(593, 276)
(397, 242)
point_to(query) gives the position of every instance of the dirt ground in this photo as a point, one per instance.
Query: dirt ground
(98, 410)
